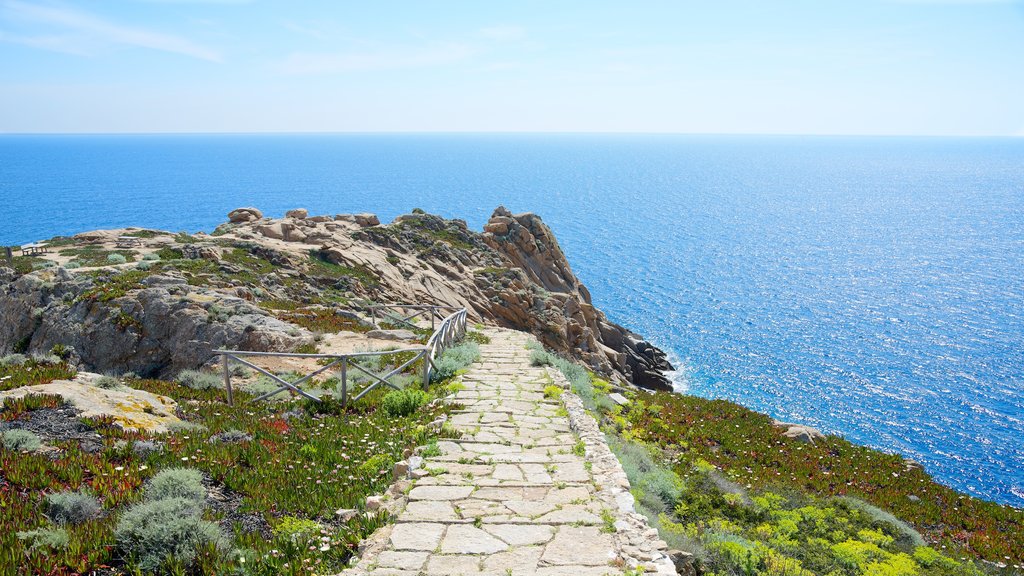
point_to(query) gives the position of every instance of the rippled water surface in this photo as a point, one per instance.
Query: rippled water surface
(870, 287)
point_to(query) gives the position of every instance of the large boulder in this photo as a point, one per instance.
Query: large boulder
(247, 214)
(131, 409)
(298, 213)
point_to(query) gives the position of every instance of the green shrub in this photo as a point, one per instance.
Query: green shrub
(375, 464)
(71, 507)
(906, 537)
(448, 364)
(13, 360)
(540, 358)
(154, 532)
(21, 440)
(152, 256)
(177, 483)
(403, 402)
(198, 380)
(553, 392)
(107, 383)
(52, 538)
(46, 358)
(299, 530)
(116, 258)
(478, 337)
(61, 351)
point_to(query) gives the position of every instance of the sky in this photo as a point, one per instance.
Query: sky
(901, 67)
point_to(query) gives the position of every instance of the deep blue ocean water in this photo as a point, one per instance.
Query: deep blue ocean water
(872, 287)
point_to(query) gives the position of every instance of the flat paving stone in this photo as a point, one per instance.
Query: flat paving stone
(402, 560)
(521, 534)
(466, 539)
(416, 536)
(585, 545)
(440, 492)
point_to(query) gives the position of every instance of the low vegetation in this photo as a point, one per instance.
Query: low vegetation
(244, 489)
(722, 483)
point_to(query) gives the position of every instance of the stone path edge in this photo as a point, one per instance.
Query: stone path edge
(636, 542)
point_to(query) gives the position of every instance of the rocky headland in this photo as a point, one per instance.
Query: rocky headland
(163, 303)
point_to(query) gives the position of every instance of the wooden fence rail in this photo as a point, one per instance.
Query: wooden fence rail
(402, 315)
(451, 329)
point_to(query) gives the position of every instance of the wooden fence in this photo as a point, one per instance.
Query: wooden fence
(451, 329)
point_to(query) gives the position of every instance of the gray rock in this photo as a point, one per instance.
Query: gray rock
(401, 469)
(618, 398)
(683, 561)
(346, 514)
(247, 214)
(396, 335)
(803, 434)
(373, 503)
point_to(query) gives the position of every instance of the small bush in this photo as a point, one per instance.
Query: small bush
(107, 383)
(53, 538)
(905, 535)
(21, 441)
(144, 448)
(72, 265)
(13, 360)
(240, 371)
(62, 351)
(299, 530)
(231, 436)
(71, 507)
(540, 358)
(177, 483)
(151, 256)
(448, 364)
(553, 392)
(478, 337)
(151, 533)
(116, 258)
(46, 358)
(375, 465)
(404, 402)
(197, 380)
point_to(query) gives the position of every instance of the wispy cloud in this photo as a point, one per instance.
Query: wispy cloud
(83, 33)
(306, 63)
(502, 33)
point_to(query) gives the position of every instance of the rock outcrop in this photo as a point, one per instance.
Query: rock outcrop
(246, 285)
(161, 327)
(574, 324)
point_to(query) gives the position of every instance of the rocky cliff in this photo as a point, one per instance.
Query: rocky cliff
(165, 301)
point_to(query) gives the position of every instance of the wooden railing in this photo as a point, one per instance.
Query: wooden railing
(451, 329)
(401, 315)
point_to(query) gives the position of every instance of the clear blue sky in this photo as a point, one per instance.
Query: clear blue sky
(710, 66)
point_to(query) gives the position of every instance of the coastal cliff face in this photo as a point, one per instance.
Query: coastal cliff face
(268, 284)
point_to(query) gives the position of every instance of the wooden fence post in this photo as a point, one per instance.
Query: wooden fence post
(227, 379)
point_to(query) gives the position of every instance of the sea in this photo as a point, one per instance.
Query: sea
(869, 287)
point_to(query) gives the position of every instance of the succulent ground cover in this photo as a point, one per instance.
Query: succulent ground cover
(721, 482)
(273, 475)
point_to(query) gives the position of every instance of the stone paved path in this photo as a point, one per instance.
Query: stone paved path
(514, 495)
